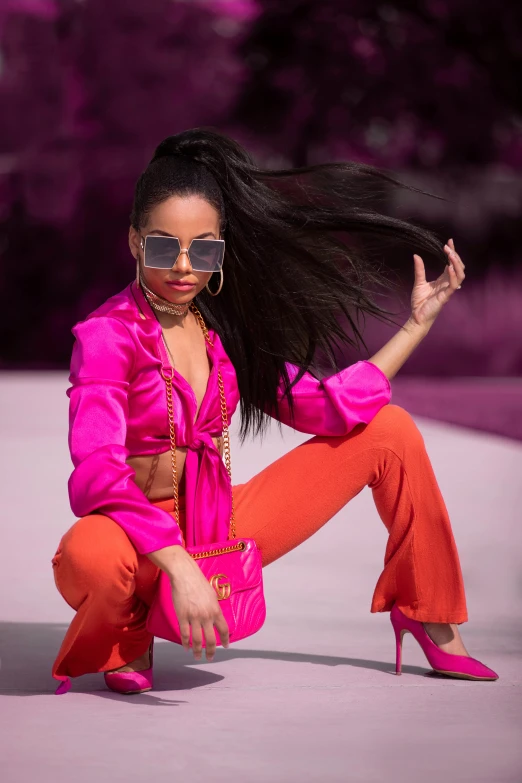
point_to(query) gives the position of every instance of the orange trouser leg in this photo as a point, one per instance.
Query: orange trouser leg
(294, 496)
(100, 575)
(111, 586)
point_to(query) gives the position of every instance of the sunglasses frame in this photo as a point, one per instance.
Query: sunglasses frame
(143, 245)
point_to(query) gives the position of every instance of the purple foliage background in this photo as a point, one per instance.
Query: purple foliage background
(430, 90)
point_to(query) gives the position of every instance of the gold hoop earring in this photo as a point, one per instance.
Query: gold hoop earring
(212, 293)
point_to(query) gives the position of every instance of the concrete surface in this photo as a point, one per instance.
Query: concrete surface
(312, 696)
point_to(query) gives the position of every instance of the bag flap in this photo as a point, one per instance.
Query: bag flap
(240, 569)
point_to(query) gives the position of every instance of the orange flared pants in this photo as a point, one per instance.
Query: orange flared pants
(102, 577)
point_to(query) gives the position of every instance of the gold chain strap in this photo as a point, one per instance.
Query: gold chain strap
(225, 433)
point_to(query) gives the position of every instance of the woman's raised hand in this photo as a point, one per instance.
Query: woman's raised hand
(428, 299)
(197, 607)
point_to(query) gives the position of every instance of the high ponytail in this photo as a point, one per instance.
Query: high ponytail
(175, 170)
(298, 271)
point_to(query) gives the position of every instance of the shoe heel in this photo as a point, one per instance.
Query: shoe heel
(399, 633)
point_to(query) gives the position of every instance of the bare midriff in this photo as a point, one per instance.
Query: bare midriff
(154, 471)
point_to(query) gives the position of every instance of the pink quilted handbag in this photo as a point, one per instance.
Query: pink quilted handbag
(233, 567)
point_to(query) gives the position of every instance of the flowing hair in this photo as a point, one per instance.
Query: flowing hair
(298, 272)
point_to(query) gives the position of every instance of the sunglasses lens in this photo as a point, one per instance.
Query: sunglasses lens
(160, 252)
(206, 255)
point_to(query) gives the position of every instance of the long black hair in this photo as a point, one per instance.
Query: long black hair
(297, 272)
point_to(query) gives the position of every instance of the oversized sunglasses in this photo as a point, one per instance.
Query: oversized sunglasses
(205, 255)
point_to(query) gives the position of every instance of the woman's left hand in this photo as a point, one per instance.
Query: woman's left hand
(428, 299)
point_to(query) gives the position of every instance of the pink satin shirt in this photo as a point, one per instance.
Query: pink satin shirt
(118, 409)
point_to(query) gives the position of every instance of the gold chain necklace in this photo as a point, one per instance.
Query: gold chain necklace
(224, 418)
(161, 304)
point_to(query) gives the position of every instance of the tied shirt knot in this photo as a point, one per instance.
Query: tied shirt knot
(208, 491)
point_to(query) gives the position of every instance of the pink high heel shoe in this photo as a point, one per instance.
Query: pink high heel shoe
(131, 682)
(442, 662)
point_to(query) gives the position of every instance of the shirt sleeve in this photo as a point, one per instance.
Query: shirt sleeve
(335, 405)
(101, 366)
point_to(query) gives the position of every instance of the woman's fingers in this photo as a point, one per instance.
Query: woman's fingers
(184, 629)
(455, 265)
(221, 625)
(206, 628)
(420, 272)
(451, 243)
(450, 251)
(197, 640)
(210, 639)
(454, 280)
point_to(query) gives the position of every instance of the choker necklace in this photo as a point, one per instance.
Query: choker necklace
(159, 303)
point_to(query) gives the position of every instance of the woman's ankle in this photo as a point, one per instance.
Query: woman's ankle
(139, 664)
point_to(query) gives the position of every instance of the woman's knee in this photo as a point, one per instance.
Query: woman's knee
(96, 551)
(397, 426)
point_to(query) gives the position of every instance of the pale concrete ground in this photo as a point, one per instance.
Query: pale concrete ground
(312, 696)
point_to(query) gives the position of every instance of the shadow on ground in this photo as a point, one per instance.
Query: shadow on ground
(27, 652)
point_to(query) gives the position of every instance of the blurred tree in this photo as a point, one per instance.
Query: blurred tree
(401, 84)
(88, 88)
(430, 90)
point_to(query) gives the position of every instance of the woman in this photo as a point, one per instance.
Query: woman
(261, 253)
